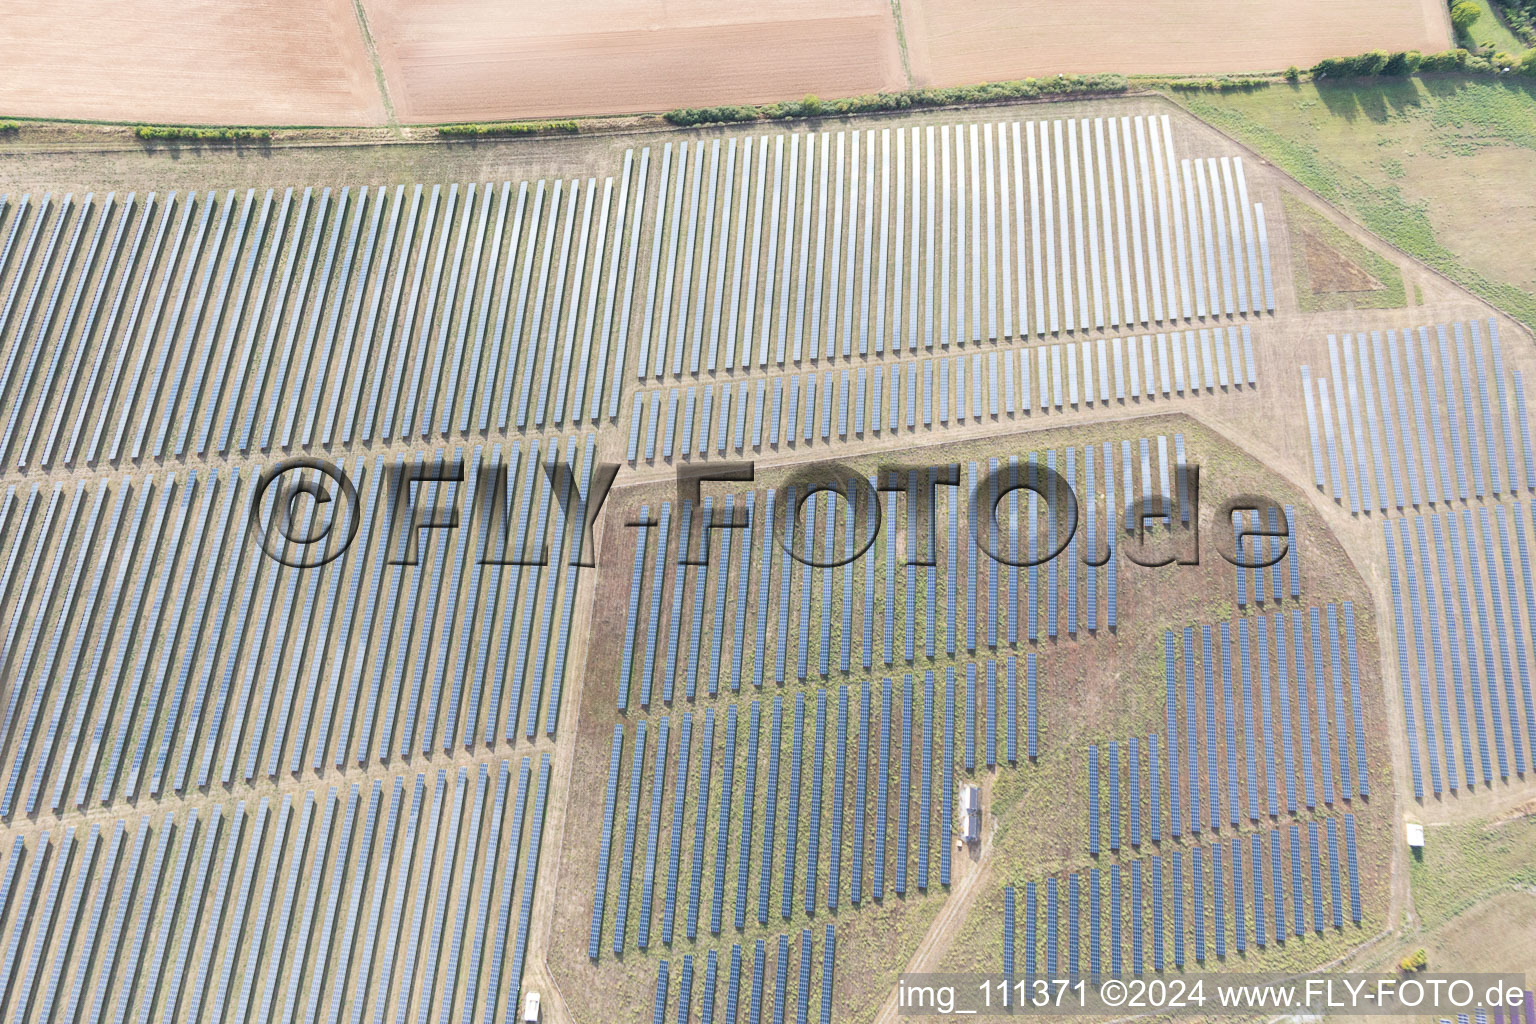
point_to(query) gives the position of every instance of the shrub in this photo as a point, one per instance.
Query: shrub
(1464, 14)
(1401, 63)
(1225, 83)
(1379, 62)
(1446, 60)
(1293, 74)
(9, 127)
(151, 132)
(507, 128)
(1413, 962)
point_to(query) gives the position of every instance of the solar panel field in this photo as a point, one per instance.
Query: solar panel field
(335, 678)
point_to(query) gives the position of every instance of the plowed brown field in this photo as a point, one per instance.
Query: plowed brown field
(203, 61)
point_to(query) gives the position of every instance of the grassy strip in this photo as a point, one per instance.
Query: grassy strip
(909, 99)
(507, 129)
(1464, 864)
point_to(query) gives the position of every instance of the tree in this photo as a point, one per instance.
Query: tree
(1464, 14)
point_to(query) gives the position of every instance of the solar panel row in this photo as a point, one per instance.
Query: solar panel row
(181, 886)
(1288, 704)
(1448, 697)
(683, 429)
(676, 627)
(1436, 412)
(797, 988)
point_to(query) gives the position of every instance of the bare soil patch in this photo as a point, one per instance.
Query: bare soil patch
(1331, 271)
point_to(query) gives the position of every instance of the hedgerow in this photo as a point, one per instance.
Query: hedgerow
(508, 128)
(884, 102)
(170, 132)
(1380, 62)
(1224, 83)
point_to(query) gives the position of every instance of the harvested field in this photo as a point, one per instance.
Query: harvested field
(953, 42)
(467, 61)
(221, 63)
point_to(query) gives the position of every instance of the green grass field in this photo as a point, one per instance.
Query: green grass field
(1444, 168)
(1489, 29)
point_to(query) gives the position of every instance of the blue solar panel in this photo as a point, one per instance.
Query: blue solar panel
(925, 820)
(759, 956)
(1354, 868)
(723, 825)
(1212, 748)
(1074, 934)
(1177, 857)
(828, 959)
(1030, 917)
(599, 898)
(1191, 733)
(1008, 930)
(882, 791)
(1116, 902)
(1034, 719)
(947, 799)
(700, 830)
(1013, 704)
(1250, 753)
(861, 799)
(1218, 899)
(679, 805)
(1298, 891)
(744, 845)
(839, 787)
(971, 713)
(1133, 789)
(1317, 876)
(1261, 626)
(652, 837)
(904, 787)
(792, 821)
(1283, 683)
(659, 1012)
(1052, 927)
(631, 824)
(1320, 702)
(1197, 901)
(1277, 883)
(1334, 887)
(1171, 710)
(1093, 799)
(818, 766)
(1256, 859)
(781, 979)
(1229, 706)
(707, 997)
(770, 810)
(1239, 900)
(733, 985)
(803, 1006)
(1113, 768)
(1137, 929)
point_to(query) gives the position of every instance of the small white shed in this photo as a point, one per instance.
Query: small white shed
(970, 813)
